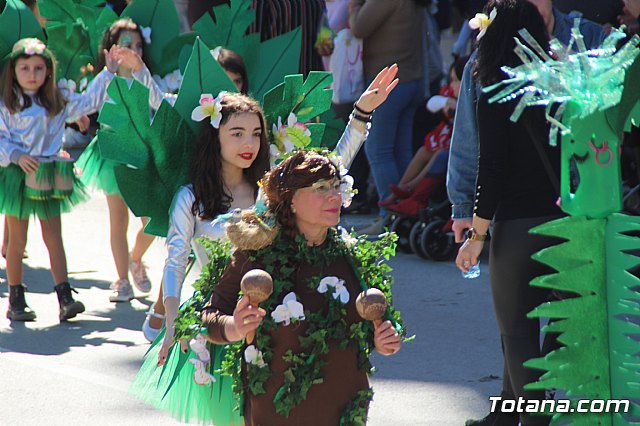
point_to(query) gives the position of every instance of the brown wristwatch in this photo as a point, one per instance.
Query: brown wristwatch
(472, 235)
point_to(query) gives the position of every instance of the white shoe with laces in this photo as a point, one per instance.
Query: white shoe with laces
(139, 275)
(122, 291)
(149, 332)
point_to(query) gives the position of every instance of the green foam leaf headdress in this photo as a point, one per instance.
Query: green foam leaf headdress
(17, 22)
(267, 62)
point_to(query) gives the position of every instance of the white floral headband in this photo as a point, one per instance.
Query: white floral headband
(481, 22)
(209, 107)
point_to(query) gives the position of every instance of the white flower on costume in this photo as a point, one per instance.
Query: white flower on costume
(146, 34)
(339, 289)
(200, 375)
(346, 190)
(290, 309)
(481, 22)
(209, 107)
(254, 356)
(349, 240)
(33, 46)
(199, 345)
(288, 137)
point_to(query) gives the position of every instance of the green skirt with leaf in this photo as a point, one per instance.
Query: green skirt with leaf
(97, 171)
(172, 388)
(54, 189)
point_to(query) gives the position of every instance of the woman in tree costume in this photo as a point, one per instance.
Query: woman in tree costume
(591, 98)
(168, 142)
(308, 363)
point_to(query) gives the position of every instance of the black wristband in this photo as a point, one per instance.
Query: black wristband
(362, 118)
(360, 110)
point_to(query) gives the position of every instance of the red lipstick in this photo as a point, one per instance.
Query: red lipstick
(246, 155)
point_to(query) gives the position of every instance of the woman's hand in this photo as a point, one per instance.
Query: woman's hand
(130, 59)
(379, 89)
(28, 164)
(112, 58)
(386, 339)
(246, 318)
(468, 255)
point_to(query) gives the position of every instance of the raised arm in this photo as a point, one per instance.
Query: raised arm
(357, 129)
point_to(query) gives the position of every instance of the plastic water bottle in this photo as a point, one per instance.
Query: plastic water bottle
(474, 272)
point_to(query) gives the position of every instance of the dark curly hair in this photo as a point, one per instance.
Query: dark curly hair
(301, 170)
(205, 174)
(496, 47)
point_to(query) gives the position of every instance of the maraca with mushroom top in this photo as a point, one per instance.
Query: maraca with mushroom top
(257, 284)
(371, 305)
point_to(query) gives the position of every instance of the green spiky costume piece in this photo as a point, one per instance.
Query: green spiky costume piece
(597, 265)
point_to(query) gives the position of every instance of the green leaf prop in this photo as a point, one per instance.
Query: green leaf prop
(16, 22)
(334, 127)
(69, 43)
(230, 26)
(202, 75)
(92, 16)
(306, 99)
(154, 156)
(267, 62)
(162, 17)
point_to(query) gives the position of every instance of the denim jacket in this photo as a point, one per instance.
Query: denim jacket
(464, 149)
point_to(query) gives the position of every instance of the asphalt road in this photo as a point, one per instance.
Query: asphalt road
(78, 372)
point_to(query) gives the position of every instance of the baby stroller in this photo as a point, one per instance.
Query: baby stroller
(427, 234)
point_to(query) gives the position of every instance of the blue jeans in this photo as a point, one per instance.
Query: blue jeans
(388, 146)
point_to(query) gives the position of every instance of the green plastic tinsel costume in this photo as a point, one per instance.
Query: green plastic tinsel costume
(598, 93)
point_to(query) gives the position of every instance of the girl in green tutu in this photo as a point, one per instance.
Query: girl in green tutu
(35, 177)
(97, 172)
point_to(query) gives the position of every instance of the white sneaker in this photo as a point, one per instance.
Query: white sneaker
(149, 332)
(139, 275)
(122, 291)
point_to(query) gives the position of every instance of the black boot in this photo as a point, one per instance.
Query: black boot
(69, 308)
(18, 309)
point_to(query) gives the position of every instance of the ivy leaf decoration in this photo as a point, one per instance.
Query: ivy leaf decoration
(17, 22)
(202, 75)
(69, 43)
(267, 62)
(154, 156)
(162, 17)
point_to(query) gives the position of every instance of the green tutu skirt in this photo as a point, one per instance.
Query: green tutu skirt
(97, 171)
(58, 189)
(172, 388)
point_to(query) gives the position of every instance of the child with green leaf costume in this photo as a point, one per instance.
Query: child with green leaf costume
(35, 177)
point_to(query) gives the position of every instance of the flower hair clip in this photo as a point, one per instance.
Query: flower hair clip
(481, 22)
(209, 107)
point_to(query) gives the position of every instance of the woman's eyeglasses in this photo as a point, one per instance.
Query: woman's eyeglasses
(324, 186)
